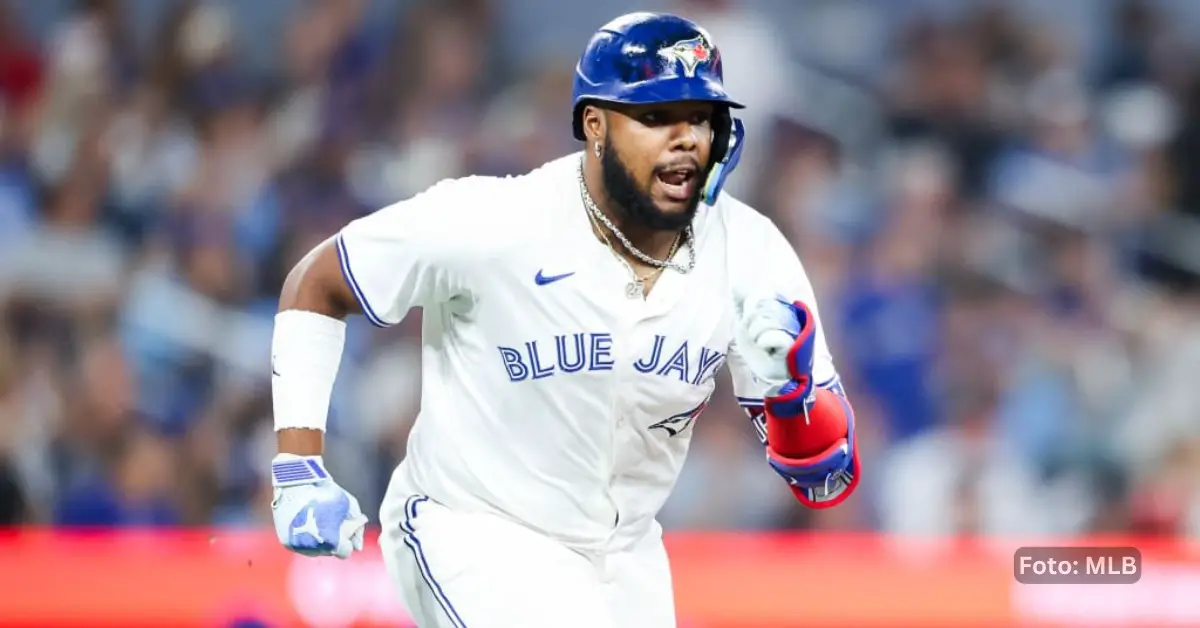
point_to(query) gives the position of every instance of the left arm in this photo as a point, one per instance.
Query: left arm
(785, 379)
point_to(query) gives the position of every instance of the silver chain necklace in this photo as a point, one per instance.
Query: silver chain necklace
(635, 287)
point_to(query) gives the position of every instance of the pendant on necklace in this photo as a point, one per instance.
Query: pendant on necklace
(634, 290)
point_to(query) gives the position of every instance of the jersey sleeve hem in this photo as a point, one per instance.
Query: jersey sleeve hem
(832, 381)
(749, 402)
(359, 295)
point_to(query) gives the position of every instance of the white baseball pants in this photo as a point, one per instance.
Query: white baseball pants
(475, 570)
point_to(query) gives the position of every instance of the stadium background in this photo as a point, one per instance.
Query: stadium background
(995, 200)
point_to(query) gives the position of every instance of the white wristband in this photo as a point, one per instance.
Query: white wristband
(306, 351)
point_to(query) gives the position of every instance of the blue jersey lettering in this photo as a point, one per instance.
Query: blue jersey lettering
(576, 352)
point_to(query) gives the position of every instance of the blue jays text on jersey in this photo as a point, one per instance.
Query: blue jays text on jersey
(570, 353)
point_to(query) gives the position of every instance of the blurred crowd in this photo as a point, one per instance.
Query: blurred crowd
(996, 201)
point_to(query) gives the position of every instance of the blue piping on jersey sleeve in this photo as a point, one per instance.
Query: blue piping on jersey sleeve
(359, 295)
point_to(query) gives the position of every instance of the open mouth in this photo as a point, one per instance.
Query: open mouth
(678, 183)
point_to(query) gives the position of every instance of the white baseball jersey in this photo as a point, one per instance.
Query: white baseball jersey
(549, 396)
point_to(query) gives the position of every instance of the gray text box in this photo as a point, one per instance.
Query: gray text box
(1077, 565)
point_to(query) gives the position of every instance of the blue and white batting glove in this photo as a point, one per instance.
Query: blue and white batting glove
(313, 515)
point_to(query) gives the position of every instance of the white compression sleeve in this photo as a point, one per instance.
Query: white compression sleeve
(306, 351)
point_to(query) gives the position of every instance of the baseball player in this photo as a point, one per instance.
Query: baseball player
(575, 320)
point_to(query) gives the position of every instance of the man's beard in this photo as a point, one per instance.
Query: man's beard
(635, 204)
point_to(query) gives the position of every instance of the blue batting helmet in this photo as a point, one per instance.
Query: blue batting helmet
(644, 58)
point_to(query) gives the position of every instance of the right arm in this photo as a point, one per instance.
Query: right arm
(313, 515)
(316, 286)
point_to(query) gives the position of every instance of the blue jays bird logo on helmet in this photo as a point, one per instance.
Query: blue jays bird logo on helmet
(646, 58)
(689, 53)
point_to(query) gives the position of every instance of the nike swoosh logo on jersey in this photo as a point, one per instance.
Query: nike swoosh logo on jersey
(542, 280)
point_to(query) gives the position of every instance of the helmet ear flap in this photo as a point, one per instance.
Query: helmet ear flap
(728, 135)
(722, 125)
